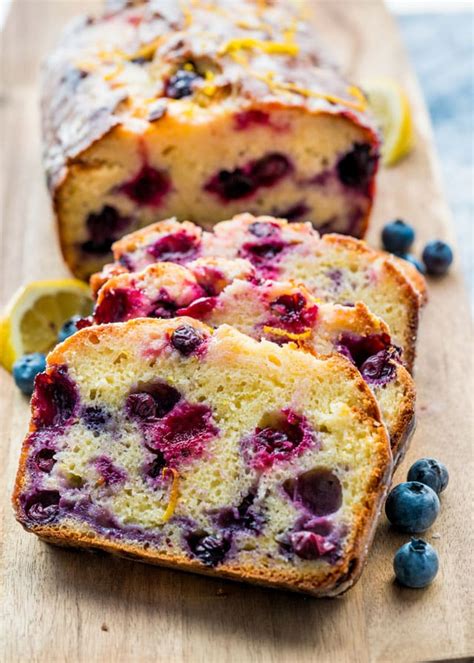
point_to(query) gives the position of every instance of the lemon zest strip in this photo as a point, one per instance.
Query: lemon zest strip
(173, 493)
(249, 44)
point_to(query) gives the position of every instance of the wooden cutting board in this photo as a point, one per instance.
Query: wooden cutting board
(70, 606)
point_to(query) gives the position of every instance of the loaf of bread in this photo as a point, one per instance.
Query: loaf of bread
(214, 292)
(200, 109)
(211, 452)
(334, 268)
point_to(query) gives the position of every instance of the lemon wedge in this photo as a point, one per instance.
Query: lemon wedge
(36, 313)
(391, 108)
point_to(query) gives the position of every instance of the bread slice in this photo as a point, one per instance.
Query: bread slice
(213, 291)
(210, 452)
(334, 268)
(200, 110)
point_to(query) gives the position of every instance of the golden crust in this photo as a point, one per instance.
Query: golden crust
(318, 583)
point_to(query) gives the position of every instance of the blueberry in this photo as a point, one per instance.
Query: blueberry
(437, 257)
(181, 84)
(69, 328)
(186, 339)
(412, 506)
(210, 550)
(397, 236)
(430, 472)
(416, 564)
(409, 257)
(26, 369)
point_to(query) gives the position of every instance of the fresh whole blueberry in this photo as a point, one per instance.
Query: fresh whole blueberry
(412, 506)
(26, 369)
(69, 328)
(430, 472)
(413, 260)
(416, 564)
(397, 236)
(437, 257)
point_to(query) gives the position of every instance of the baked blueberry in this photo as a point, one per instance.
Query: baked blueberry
(186, 339)
(416, 564)
(437, 257)
(26, 369)
(69, 328)
(181, 84)
(210, 550)
(412, 506)
(397, 236)
(430, 472)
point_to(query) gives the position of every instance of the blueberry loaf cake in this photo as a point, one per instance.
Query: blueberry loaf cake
(212, 452)
(334, 268)
(282, 312)
(200, 110)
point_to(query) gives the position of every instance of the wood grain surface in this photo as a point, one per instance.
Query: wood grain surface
(71, 606)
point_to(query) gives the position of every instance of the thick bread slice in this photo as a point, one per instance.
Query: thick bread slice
(213, 291)
(334, 268)
(210, 452)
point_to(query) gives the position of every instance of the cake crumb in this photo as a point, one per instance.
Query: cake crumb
(104, 627)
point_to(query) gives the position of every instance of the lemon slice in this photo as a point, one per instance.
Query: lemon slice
(36, 313)
(391, 108)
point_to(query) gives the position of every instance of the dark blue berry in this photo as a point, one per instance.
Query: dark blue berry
(416, 564)
(186, 339)
(104, 228)
(43, 506)
(437, 257)
(356, 168)
(181, 84)
(210, 550)
(26, 369)
(409, 257)
(430, 472)
(69, 328)
(397, 237)
(412, 506)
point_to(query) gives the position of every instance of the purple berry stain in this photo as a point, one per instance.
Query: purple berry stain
(42, 507)
(54, 398)
(119, 305)
(294, 312)
(148, 187)
(152, 402)
(280, 437)
(357, 168)
(182, 434)
(180, 247)
(318, 490)
(44, 460)
(109, 473)
(359, 348)
(104, 228)
(245, 181)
